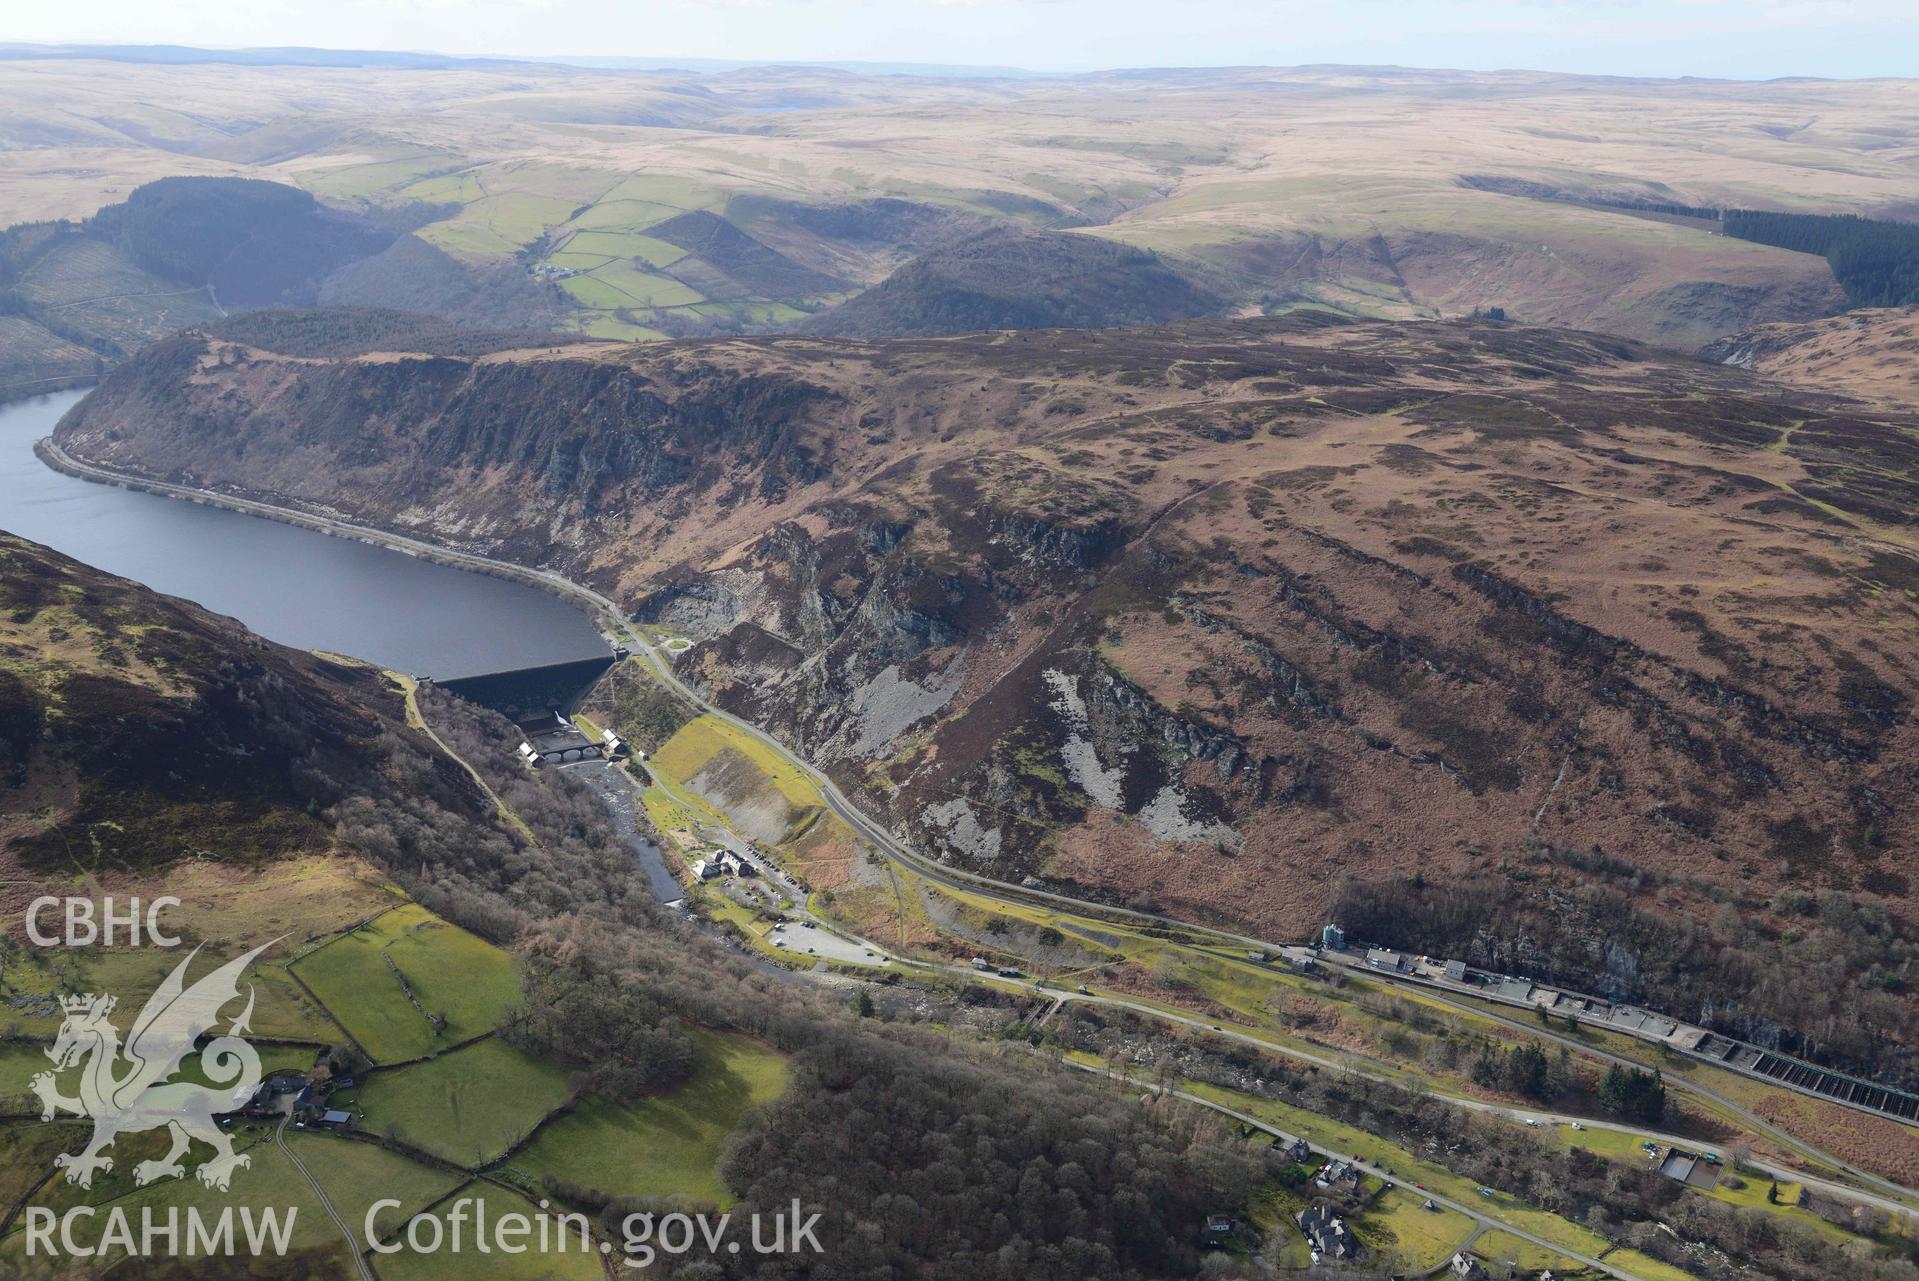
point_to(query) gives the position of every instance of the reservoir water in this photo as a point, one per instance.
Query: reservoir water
(293, 585)
(301, 587)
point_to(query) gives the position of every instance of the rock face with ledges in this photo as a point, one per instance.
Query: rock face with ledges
(1211, 617)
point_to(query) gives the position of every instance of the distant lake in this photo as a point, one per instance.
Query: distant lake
(290, 584)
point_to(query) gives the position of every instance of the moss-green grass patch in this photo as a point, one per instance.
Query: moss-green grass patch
(464, 980)
(350, 976)
(624, 244)
(1398, 1225)
(669, 1145)
(458, 977)
(575, 1262)
(646, 288)
(468, 1106)
(356, 1173)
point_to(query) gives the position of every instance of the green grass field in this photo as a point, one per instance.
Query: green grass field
(664, 1146)
(468, 1106)
(468, 981)
(463, 979)
(596, 294)
(356, 1174)
(573, 1263)
(1415, 1238)
(646, 288)
(1504, 1247)
(623, 215)
(624, 244)
(349, 976)
(268, 1183)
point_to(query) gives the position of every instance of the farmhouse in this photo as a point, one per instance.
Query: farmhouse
(1340, 1177)
(1465, 1267)
(1327, 1234)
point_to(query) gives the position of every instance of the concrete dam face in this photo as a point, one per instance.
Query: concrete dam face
(529, 693)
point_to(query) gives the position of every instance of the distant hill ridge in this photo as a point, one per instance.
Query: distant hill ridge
(1011, 278)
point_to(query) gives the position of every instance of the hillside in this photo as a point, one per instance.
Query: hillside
(654, 203)
(526, 996)
(1014, 279)
(75, 296)
(1870, 354)
(1219, 619)
(140, 730)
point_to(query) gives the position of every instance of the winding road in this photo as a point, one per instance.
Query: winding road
(616, 624)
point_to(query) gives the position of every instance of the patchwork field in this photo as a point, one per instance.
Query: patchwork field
(467, 1106)
(569, 1262)
(667, 1146)
(456, 977)
(1394, 194)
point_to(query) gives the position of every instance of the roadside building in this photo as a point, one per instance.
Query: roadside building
(1685, 1167)
(1456, 971)
(1465, 1267)
(1341, 1178)
(1385, 959)
(1327, 1234)
(1299, 1152)
(1333, 938)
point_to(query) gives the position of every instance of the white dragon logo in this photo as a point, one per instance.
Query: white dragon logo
(142, 1096)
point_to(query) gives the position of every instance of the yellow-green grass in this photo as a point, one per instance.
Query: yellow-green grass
(624, 244)
(447, 189)
(27, 1149)
(280, 1010)
(518, 216)
(350, 976)
(646, 288)
(355, 1174)
(1271, 1211)
(756, 930)
(1414, 1238)
(602, 325)
(1504, 1247)
(269, 1183)
(456, 976)
(623, 215)
(751, 313)
(467, 240)
(1647, 1268)
(670, 190)
(377, 176)
(704, 737)
(21, 1061)
(1338, 1136)
(576, 1261)
(595, 294)
(579, 261)
(665, 1146)
(468, 1106)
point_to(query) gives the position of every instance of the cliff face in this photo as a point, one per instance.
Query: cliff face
(1210, 617)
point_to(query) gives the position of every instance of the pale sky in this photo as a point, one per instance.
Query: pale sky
(1745, 39)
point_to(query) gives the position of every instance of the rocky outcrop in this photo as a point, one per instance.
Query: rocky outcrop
(1208, 617)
